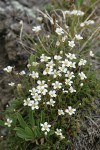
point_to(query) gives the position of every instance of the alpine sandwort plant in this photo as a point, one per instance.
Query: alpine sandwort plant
(58, 89)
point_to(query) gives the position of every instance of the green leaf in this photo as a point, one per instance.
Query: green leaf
(24, 134)
(32, 58)
(29, 132)
(31, 118)
(79, 2)
(1, 123)
(42, 116)
(21, 121)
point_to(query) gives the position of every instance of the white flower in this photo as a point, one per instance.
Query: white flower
(72, 90)
(52, 93)
(81, 84)
(57, 57)
(71, 44)
(82, 62)
(67, 12)
(72, 65)
(51, 102)
(91, 54)
(22, 72)
(62, 137)
(27, 102)
(33, 91)
(11, 84)
(71, 56)
(68, 82)
(57, 43)
(50, 64)
(42, 90)
(63, 69)
(65, 91)
(34, 75)
(28, 65)
(33, 105)
(42, 84)
(45, 127)
(70, 110)
(82, 76)
(36, 97)
(82, 24)
(48, 70)
(57, 85)
(89, 22)
(70, 75)
(37, 29)
(77, 12)
(58, 132)
(8, 122)
(60, 112)
(34, 64)
(59, 31)
(66, 63)
(78, 37)
(44, 58)
(56, 73)
(8, 69)
(64, 38)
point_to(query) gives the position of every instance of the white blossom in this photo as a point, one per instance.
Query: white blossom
(72, 90)
(44, 58)
(52, 93)
(33, 104)
(33, 91)
(71, 44)
(34, 74)
(63, 69)
(50, 64)
(36, 97)
(82, 76)
(8, 122)
(8, 69)
(11, 84)
(57, 43)
(71, 56)
(64, 38)
(57, 85)
(82, 62)
(60, 112)
(22, 73)
(81, 84)
(69, 75)
(45, 127)
(57, 57)
(42, 84)
(27, 102)
(37, 29)
(70, 110)
(91, 54)
(68, 82)
(77, 12)
(56, 73)
(59, 31)
(51, 102)
(78, 37)
(48, 70)
(58, 132)
(34, 64)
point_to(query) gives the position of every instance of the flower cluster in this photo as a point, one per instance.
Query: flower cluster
(74, 12)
